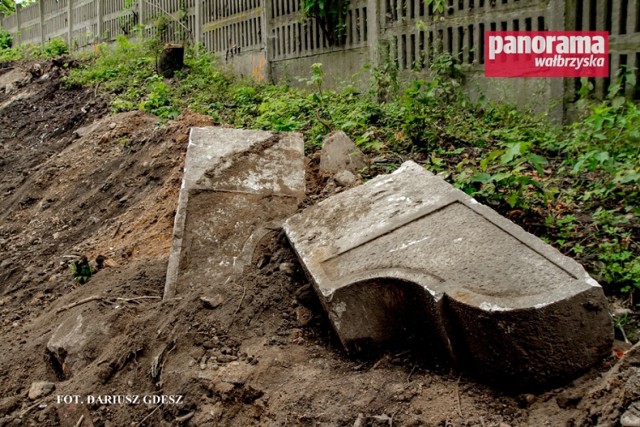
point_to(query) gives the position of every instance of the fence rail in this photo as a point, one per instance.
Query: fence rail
(270, 38)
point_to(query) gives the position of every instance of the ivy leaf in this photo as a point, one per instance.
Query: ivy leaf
(511, 153)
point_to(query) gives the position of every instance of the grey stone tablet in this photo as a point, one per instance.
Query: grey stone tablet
(408, 254)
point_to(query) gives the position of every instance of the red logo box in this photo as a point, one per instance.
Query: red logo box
(546, 53)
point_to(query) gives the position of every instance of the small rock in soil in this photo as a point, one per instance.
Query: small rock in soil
(212, 302)
(340, 153)
(286, 268)
(345, 178)
(40, 389)
(564, 401)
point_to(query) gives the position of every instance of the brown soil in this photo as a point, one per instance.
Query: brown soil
(76, 181)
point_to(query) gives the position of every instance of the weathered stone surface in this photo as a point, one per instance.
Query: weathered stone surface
(40, 389)
(77, 342)
(13, 79)
(237, 185)
(631, 417)
(406, 254)
(339, 153)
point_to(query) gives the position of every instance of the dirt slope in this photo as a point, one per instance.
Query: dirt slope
(75, 181)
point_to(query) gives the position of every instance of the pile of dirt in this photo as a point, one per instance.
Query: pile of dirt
(76, 181)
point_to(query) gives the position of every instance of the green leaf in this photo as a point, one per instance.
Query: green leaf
(501, 176)
(511, 153)
(537, 162)
(481, 177)
(627, 177)
(512, 199)
(484, 163)
(618, 101)
(602, 156)
(631, 78)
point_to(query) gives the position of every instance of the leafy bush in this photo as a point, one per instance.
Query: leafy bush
(6, 41)
(55, 48)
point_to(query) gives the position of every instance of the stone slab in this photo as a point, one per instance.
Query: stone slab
(237, 185)
(407, 254)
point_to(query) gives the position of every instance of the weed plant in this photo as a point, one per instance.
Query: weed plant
(54, 48)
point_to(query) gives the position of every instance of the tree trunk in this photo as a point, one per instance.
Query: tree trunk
(171, 59)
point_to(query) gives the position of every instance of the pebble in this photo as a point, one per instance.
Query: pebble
(345, 178)
(212, 302)
(225, 358)
(40, 389)
(203, 363)
(286, 268)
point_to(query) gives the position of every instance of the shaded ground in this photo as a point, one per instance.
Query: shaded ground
(75, 181)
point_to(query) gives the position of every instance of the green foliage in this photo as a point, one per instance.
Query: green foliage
(7, 7)
(605, 144)
(81, 270)
(13, 54)
(6, 41)
(438, 5)
(55, 48)
(510, 174)
(331, 17)
(599, 155)
(619, 265)
(158, 99)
